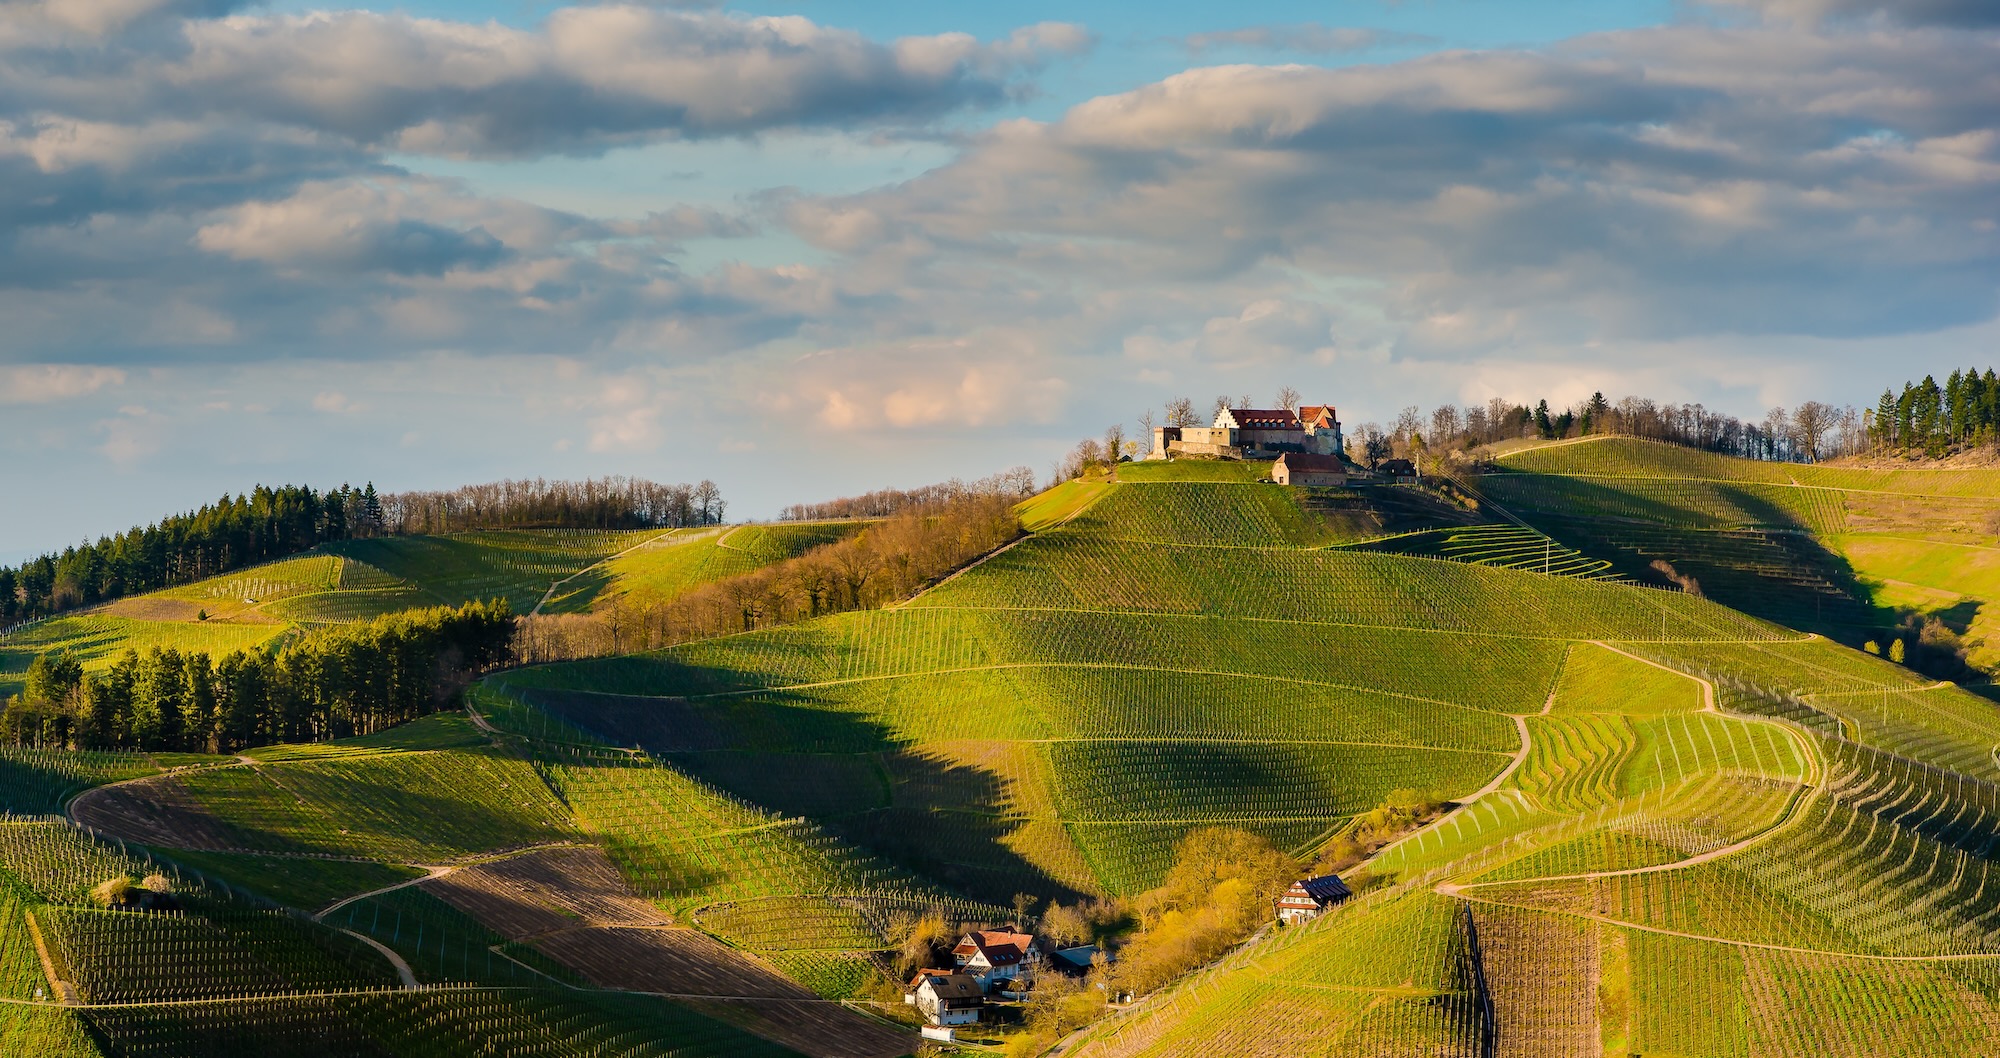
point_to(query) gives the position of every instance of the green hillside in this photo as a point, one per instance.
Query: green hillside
(1842, 550)
(545, 570)
(1654, 806)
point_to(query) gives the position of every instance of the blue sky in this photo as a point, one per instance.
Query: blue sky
(812, 248)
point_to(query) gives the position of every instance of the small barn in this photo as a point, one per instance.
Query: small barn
(1309, 896)
(1301, 468)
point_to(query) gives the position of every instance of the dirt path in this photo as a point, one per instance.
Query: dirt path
(432, 872)
(403, 971)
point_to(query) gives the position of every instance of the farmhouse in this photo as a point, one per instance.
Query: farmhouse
(1254, 433)
(946, 998)
(1397, 469)
(992, 956)
(1309, 896)
(1299, 468)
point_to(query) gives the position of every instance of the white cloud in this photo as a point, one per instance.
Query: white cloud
(46, 383)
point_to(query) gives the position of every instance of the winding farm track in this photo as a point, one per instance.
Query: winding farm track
(1812, 784)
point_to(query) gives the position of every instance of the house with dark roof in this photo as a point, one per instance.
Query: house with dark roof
(991, 956)
(1307, 897)
(1397, 469)
(945, 997)
(1302, 468)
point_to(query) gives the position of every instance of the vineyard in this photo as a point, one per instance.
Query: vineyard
(1851, 552)
(1667, 826)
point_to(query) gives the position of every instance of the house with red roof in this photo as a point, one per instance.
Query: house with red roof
(1255, 433)
(993, 956)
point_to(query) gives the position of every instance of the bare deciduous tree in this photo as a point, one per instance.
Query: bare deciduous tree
(1288, 399)
(1810, 424)
(1180, 412)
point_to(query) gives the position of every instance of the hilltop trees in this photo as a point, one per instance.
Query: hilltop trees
(884, 563)
(343, 681)
(1018, 483)
(270, 523)
(1932, 419)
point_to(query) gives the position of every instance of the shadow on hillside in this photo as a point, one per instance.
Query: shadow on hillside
(1773, 567)
(799, 754)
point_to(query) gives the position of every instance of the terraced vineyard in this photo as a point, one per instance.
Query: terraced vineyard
(1670, 827)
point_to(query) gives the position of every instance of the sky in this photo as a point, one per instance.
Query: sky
(811, 248)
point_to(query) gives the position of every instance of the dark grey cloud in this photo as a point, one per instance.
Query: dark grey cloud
(587, 79)
(1959, 13)
(1640, 185)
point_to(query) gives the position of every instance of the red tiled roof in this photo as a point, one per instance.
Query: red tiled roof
(1001, 947)
(1318, 414)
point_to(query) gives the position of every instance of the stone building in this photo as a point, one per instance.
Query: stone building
(1254, 433)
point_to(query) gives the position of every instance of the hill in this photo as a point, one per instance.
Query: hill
(1852, 552)
(535, 570)
(1650, 806)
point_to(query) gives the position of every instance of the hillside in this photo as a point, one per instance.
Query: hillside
(1851, 552)
(1640, 785)
(535, 570)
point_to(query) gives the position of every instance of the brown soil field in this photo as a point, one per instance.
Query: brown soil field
(220, 611)
(685, 962)
(157, 810)
(573, 905)
(544, 891)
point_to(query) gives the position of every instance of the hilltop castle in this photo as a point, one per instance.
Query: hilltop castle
(1255, 433)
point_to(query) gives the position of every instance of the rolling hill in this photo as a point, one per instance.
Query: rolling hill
(1670, 827)
(535, 570)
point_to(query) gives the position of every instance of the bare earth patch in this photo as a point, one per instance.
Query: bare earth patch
(574, 906)
(158, 810)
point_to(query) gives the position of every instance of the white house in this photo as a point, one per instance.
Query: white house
(946, 998)
(993, 955)
(1307, 897)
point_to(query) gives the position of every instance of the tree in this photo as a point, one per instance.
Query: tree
(1810, 424)
(1288, 399)
(1219, 405)
(1114, 442)
(1375, 446)
(708, 502)
(372, 519)
(1180, 412)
